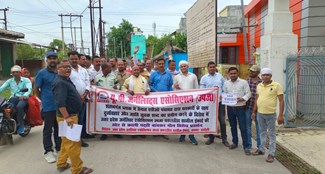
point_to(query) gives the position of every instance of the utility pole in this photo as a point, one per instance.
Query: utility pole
(5, 17)
(62, 33)
(154, 28)
(72, 30)
(96, 38)
(104, 39)
(82, 41)
(244, 32)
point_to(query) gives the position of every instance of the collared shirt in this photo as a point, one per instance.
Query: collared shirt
(240, 88)
(139, 85)
(185, 82)
(210, 81)
(108, 81)
(80, 79)
(150, 71)
(252, 85)
(173, 73)
(145, 74)
(43, 81)
(93, 73)
(66, 95)
(121, 77)
(267, 97)
(15, 88)
(161, 82)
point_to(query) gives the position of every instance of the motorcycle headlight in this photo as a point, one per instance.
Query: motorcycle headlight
(7, 110)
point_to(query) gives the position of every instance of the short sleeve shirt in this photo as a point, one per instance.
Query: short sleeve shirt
(267, 97)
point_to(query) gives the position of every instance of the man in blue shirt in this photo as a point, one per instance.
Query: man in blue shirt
(19, 99)
(210, 80)
(161, 80)
(42, 90)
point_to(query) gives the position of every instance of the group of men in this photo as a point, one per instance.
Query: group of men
(63, 87)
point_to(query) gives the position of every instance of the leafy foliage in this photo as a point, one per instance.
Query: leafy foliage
(120, 37)
(27, 52)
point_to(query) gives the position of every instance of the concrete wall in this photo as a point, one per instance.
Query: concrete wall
(313, 23)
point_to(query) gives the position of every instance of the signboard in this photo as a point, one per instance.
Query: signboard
(177, 112)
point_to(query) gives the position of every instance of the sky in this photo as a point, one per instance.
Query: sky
(40, 22)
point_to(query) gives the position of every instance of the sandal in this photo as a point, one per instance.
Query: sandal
(270, 159)
(61, 169)
(86, 170)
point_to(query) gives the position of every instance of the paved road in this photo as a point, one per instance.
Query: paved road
(138, 156)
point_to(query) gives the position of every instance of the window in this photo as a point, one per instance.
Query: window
(228, 55)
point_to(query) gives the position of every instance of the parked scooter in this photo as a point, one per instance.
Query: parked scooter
(8, 118)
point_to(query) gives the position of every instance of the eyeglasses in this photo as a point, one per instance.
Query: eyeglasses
(66, 67)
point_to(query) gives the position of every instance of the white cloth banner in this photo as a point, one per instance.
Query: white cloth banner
(160, 113)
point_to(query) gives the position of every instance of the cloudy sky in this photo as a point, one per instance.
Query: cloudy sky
(40, 22)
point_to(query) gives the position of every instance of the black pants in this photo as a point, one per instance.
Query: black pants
(222, 123)
(50, 126)
(82, 118)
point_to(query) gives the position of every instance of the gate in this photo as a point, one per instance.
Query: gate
(305, 92)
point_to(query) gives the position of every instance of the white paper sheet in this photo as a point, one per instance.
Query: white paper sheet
(72, 134)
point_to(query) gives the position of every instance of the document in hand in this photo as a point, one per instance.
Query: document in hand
(72, 134)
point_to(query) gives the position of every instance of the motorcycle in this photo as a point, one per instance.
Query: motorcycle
(8, 118)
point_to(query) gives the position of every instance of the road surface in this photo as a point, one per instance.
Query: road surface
(152, 155)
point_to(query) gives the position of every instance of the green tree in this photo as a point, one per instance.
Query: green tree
(27, 52)
(120, 37)
(57, 44)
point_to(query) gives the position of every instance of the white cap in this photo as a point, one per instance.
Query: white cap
(182, 62)
(15, 68)
(266, 71)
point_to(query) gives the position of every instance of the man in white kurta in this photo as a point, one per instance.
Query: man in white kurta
(80, 78)
(184, 81)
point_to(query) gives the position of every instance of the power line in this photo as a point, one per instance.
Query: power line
(70, 6)
(60, 6)
(40, 23)
(47, 7)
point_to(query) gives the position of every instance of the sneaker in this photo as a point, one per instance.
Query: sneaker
(56, 153)
(270, 159)
(21, 129)
(193, 141)
(181, 139)
(49, 157)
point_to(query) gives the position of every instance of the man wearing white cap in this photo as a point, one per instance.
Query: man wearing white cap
(183, 81)
(267, 93)
(19, 99)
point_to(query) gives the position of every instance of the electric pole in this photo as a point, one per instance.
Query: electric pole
(72, 30)
(154, 28)
(95, 38)
(244, 32)
(5, 17)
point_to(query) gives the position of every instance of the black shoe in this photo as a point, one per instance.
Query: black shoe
(233, 146)
(247, 152)
(84, 144)
(103, 137)
(118, 136)
(87, 136)
(142, 136)
(258, 152)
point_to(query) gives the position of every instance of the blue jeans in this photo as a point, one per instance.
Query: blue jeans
(235, 114)
(20, 106)
(267, 126)
(249, 129)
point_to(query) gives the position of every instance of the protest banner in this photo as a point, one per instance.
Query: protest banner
(160, 113)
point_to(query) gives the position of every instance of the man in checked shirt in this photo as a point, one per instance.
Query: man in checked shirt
(253, 81)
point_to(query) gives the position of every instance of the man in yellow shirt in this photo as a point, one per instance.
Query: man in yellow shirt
(143, 72)
(267, 93)
(136, 83)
